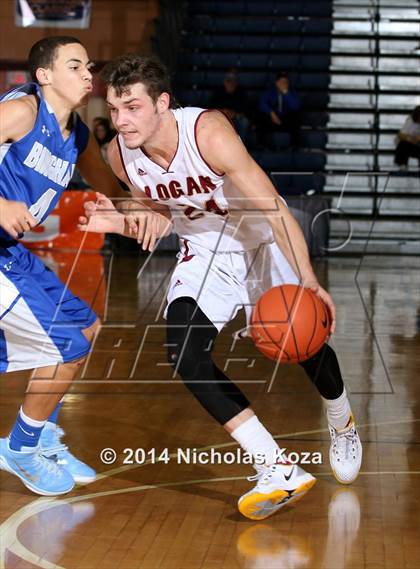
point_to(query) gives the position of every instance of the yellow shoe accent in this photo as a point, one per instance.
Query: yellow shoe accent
(259, 506)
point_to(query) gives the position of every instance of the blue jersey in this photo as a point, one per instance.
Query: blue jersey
(37, 168)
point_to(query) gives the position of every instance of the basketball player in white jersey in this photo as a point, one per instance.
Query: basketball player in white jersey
(191, 165)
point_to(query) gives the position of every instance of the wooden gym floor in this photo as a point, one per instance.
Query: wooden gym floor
(179, 515)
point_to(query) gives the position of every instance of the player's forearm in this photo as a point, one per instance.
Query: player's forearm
(290, 239)
(126, 206)
(113, 190)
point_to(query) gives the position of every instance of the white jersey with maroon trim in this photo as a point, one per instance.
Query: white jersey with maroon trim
(206, 207)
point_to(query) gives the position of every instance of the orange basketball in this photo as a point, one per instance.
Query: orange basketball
(290, 323)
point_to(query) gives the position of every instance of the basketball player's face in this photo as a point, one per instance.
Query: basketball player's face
(70, 77)
(134, 114)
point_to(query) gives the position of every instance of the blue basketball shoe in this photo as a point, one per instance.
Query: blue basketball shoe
(53, 449)
(39, 474)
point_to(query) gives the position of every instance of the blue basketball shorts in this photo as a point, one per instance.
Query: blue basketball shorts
(41, 321)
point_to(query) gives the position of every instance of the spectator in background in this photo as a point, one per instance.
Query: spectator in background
(97, 120)
(409, 140)
(233, 101)
(104, 134)
(279, 110)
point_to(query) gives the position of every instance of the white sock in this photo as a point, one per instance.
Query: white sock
(257, 441)
(338, 411)
(31, 422)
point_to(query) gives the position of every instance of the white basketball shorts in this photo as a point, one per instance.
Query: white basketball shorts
(223, 283)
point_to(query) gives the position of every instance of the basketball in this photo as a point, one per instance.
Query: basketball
(290, 324)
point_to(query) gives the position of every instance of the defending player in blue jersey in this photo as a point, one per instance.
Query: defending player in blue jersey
(43, 326)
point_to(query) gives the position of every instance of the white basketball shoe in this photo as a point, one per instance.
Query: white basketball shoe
(277, 485)
(345, 452)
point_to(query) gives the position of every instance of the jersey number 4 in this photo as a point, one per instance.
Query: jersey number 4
(40, 207)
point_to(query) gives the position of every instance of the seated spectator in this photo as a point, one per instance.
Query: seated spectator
(233, 101)
(279, 110)
(97, 120)
(103, 133)
(409, 140)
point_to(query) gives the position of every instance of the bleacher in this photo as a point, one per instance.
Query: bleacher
(260, 39)
(355, 64)
(374, 85)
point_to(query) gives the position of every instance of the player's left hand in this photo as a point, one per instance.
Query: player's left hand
(101, 217)
(326, 298)
(150, 227)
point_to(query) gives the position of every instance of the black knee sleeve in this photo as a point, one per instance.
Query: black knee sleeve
(324, 371)
(190, 339)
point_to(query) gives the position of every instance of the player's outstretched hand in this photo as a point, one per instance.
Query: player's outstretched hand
(323, 295)
(101, 216)
(15, 218)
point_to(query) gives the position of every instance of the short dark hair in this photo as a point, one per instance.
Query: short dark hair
(282, 75)
(133, 68)
(44, 52)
